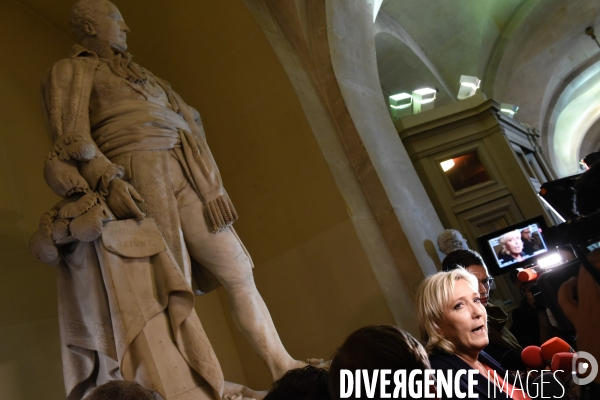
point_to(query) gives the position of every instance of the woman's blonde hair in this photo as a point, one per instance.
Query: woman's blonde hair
(433, 296)
(504, 238)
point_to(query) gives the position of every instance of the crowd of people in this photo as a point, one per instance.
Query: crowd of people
(460, 330)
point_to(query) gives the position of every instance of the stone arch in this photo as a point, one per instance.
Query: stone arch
(572, 125)
(591, 140)
(328, 51)
(525, 70)
(568, 119)
(511, 30)
(416, 62)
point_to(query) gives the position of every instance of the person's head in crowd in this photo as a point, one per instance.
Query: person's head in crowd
(472, 262)
(308, 383)
(526, 234)
(591, 159)
(524, 288)
(450, 240)
(376, 347)
(587, 187)
(514, 278)
(122, 390)
(450, 316)
(512, 245)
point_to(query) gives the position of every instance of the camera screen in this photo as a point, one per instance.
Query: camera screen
(518, 245)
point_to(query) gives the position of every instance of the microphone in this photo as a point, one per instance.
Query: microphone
(528, 275)
(553, 346)
(564, 362)
(532, 357)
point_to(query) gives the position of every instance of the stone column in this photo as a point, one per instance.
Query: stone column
(328, 51)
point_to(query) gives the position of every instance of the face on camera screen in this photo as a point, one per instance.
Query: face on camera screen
(518, 245)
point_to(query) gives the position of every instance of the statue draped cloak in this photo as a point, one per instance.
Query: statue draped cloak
(106, 300)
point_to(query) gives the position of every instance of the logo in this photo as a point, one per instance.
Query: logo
(585, 368)
(412, 384)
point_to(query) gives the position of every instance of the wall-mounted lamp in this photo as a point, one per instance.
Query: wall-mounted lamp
(468, 86)
(400, 105)
(509, 109)
(590, 32)
(446, 165)
(423, 99)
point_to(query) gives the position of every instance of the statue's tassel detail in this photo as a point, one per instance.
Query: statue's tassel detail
(220, 213)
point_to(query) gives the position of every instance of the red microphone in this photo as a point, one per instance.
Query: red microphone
(532, 357)
(553, 346)
(564, 362)
(528, 275)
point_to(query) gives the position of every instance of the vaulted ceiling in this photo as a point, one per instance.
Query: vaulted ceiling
(530, 53)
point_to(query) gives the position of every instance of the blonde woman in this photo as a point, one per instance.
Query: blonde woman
(502, 342)
(453, 324)
(511, 247)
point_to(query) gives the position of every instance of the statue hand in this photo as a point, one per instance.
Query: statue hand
(120, 200)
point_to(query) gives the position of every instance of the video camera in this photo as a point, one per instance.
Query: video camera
(547, 255)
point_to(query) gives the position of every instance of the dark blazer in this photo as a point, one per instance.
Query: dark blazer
(445, 362)
(506, 258)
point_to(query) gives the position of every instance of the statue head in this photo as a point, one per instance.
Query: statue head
(451, 240)
(99, 21)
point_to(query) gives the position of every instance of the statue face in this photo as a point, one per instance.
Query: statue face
(110, 26)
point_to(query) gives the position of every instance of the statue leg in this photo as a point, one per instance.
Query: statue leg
(224, 255)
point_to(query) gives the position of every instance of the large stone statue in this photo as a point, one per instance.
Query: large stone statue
(145, 223)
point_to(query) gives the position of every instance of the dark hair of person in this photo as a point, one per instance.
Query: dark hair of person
(461, 258)
(587, 186)
(122, 390)
(376, 347)
(592, 158)
(308, 383)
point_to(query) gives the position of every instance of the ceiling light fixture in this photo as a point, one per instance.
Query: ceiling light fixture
(468, 86)
(400, 105)
(509, 109)
(400, 101)
(590, 32)
(423, 99)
